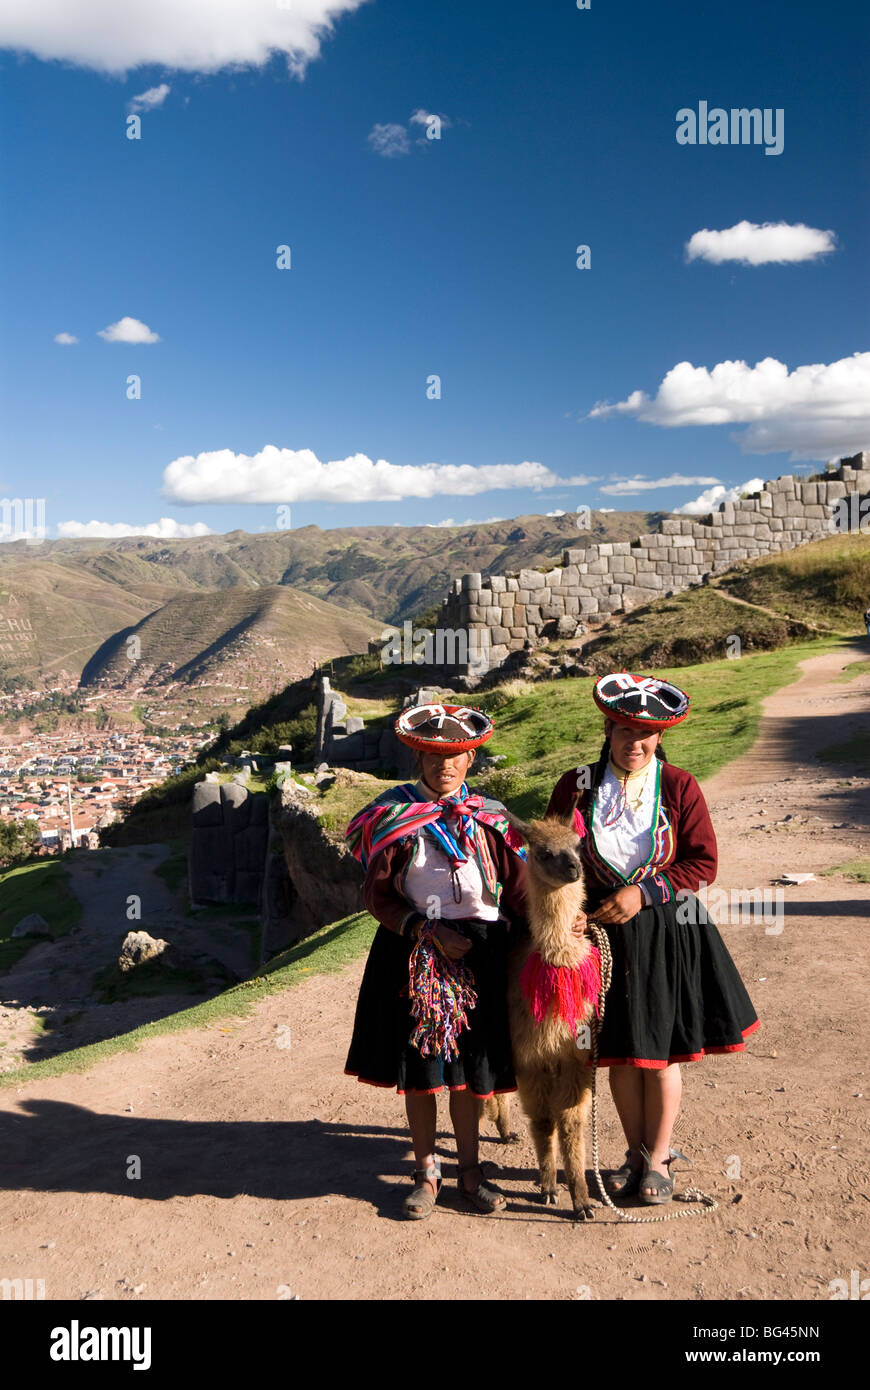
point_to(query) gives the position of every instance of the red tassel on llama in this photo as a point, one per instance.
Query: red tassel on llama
(566, 990)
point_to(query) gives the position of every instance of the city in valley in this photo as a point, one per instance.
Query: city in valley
(74, 781)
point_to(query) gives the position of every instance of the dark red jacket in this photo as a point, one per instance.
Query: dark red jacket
(687, 854)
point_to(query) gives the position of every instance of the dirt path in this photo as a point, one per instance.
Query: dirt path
(266, 1173)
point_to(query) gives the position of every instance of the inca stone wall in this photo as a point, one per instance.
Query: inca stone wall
(502, 612)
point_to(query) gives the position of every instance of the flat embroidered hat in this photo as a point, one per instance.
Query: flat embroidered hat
(644, 700)
(443, 729)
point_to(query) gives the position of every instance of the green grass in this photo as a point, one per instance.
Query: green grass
(852, 671)
(854, 750)
(825, 582)
(857, 869)
(327, 951)
(557, 726)
(41, 886)
(114, 985)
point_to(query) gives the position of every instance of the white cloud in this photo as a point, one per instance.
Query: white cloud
(128, 330)
(150, 100)
(65, 339)
(626, 486)
(164, 529)
(557, 512)
(183, 34)
(605, 509)
(422, 117)
(772, 243)
(709, 500)
(298, 475)
(389, 140)
(818, 411)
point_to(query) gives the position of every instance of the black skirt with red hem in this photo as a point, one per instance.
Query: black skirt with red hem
(381, 1053)
(675, 993)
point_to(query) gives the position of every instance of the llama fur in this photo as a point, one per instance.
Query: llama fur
(554, 1078)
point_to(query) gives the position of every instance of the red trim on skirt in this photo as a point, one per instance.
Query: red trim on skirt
(388, 1085)
(658, 1065)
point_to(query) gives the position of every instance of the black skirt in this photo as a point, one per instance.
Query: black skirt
(675, 993)
(381, 1053)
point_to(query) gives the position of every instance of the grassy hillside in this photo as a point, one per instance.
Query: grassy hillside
(41, 886)
(826, 582)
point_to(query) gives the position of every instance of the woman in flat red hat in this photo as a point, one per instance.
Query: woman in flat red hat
(444, 879)
(648, 846)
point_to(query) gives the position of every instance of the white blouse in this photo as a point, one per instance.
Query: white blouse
(429, 883)
(626, 843)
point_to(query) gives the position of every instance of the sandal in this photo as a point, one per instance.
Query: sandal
(664, 1187)
(420, 1202)
(486, 1197)
(627, 1177)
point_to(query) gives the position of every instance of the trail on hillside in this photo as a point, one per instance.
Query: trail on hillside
(53, 987)
(266, 1173)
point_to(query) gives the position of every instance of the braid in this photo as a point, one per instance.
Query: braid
(601, 765)
(660, 753)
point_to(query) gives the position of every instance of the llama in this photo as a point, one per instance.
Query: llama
(552, 991)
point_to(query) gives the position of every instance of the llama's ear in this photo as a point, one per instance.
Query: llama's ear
(565, 817)
(520, 826)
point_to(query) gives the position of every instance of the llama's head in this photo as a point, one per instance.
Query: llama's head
(553, 850)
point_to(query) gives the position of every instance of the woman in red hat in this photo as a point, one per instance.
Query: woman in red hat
(648, 847)
(444, 879)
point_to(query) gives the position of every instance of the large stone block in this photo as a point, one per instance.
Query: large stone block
(589, 605)
(472, 581)
(507, 600)
(500, 636)
(207, 805)
(498, 583)
(513, 585)
(531, 579)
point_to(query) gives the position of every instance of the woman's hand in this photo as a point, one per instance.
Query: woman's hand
(621, 905)
(452, 943)
(579, 927)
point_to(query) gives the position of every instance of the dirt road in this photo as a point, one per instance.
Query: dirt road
(266, 1173)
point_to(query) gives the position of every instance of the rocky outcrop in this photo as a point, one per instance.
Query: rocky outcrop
(326, 880)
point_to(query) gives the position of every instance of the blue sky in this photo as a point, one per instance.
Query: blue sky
(413, 257)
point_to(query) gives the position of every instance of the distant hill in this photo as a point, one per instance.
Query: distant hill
(252, 641)
(63, 601)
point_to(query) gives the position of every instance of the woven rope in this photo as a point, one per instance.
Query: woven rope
(689, 1194)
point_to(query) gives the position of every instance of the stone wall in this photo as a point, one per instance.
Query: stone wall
(500, 613)
(344, 741)
(228, 842)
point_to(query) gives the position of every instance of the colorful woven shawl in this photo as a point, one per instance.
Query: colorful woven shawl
(454, 822)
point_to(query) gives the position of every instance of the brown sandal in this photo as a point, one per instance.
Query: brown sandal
(420, 1202)
(486, 1197)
